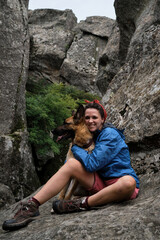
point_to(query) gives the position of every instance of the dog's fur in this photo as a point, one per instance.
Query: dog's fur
(74, 127)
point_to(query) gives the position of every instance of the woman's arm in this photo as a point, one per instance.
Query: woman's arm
(108, 145)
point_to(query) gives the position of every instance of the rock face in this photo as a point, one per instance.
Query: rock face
(109, 61)
(136, 219)
(133, 94)
(51, 34)
(16, 166)
(80, 66)
(6, 196)
(120, 61)
(64, 51)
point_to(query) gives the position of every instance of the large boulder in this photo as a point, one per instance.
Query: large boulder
(6, 196)
(136, 219)
(16, 163)
(51, 34)
(109, 61)
(132, 97)
(63, 51)
(80, 67)
(14, 45)
(17, 167)
(98, 26)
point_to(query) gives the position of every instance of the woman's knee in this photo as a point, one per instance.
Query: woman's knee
(73, 164)
(127, 184)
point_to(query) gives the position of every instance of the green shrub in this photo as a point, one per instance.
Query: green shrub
(46, 108)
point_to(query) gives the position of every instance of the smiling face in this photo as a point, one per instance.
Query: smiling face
(93, 119)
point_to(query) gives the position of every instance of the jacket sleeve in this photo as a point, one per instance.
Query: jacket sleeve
(108, 145)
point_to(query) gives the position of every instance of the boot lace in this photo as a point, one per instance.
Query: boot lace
(21, 208)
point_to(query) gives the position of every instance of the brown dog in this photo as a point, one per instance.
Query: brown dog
(74, 127)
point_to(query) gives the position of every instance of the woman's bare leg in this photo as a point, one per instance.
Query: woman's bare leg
(119, 191)
(72, 168)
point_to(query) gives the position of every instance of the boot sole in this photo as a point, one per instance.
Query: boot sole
(16, 226)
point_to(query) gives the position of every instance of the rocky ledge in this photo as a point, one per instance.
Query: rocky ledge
(136, 219)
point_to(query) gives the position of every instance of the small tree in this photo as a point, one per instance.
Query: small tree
(47, 107)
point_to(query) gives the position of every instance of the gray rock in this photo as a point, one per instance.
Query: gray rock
(128, 12)
(96, 25)
(62, 50)
(51, 33)
(133, 95)
(145, 161)
(80, 66)
(109, 62)
(136, 219)
(14, 44)
(16, 166)
(6, 196)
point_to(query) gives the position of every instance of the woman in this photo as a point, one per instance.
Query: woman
(106, 173)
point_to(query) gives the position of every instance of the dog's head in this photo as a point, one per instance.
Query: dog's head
(70, 125)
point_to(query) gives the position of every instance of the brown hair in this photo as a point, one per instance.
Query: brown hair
(96, 106)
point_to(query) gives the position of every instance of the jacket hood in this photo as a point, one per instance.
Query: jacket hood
(120, 131)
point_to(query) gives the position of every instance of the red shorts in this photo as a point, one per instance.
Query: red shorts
(99, 184)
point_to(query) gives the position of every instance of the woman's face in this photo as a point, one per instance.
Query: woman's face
(93, 119)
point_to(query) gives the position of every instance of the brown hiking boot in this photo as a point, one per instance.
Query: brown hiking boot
(26, 213)
(68, 206)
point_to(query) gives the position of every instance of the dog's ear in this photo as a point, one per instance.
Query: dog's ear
(80, 113)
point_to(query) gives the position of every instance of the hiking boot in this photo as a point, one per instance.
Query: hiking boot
(27, 212)
(68, 206)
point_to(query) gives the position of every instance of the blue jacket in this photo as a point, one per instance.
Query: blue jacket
(110, 158)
